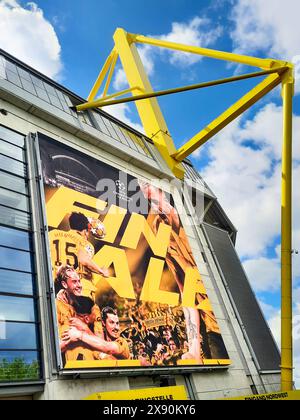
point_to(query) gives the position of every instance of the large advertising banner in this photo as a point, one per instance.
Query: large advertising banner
(128, 292)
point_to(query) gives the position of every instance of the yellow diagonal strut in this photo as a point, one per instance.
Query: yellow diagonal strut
(228, 116)
(101, 76)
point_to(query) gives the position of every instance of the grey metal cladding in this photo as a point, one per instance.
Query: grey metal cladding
(249, 312)
(19, 74)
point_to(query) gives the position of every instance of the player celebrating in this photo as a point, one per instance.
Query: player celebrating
(73, 248)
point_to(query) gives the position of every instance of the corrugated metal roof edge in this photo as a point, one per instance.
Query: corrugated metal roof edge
(73, 95)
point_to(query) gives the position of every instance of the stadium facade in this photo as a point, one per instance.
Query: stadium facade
(51, 156)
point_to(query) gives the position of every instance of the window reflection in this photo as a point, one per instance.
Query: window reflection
(15, 260)
(14, 336)
(12, 151)
(11, 136)
(13, 183)
(19, 366)
(14, 218)
(14, 200)
(12, 166)
(17, 309)
(14, 282)
(15, 238)
(19, 358)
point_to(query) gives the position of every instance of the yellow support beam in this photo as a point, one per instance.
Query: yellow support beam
(286, 238)
(105, 102)
(101, 76)
(98, 102)
(106, 98)
(148, 109)
(111, 72)
(228, 116)
(265, 63)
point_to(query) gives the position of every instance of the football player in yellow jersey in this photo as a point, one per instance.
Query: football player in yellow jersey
(74, 310)
(73, 248)
(113, 346)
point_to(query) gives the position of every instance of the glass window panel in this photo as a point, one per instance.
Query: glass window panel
(28, 86)
(55, 101)
(50, 89)
(68, 101)
(84, 117)
(134, 143)
(12, 151)
(37, 82)
(120, 136)
(13, 183)
(66, 108)
(101, 124)
(15, 238)
(17, 309)
(112, 132)
(42, 94)
(14, 282)
(60, 95)
(2, 72)
(15, 260)
(13, 78)
(12, 137)
(10, 165)
(10, 66)
(88, 118)
(24, 74)
(14, 336)
(139, 143)
(74, 113)
(14, 200)
(19, 366)
(15, 218)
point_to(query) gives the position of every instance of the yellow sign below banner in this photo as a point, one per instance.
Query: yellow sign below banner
(165, 393)
(290, 395)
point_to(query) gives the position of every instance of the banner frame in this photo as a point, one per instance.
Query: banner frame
(223, 364)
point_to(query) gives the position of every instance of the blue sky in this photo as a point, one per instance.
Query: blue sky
(70, 40)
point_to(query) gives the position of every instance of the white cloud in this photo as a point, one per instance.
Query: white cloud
(264, 274)
(26, 34)
(146, 54)
(246, 179)
(296, 296)
(268, 310)
(266, 130)
(268, 26)
(199, 32)
(120, 80)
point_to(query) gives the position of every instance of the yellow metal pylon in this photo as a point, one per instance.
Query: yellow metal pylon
(278, 72)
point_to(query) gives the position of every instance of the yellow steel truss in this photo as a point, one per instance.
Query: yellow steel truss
(277, 72)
